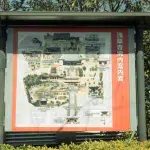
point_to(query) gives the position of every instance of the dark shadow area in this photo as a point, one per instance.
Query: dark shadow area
(53, 139)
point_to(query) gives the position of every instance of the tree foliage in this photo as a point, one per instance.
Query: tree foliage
(78, 5)
(146, 45)
(32, 80)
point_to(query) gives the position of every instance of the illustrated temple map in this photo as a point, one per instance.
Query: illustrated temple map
(64, 79)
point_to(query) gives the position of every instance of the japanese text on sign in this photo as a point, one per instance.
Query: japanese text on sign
(120, 73)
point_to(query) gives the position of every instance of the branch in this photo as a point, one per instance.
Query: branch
(118, 5)
(110, 5)
(17, 5)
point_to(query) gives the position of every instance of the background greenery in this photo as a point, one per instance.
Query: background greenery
(96, 145)
(77, 5)
(91, 6)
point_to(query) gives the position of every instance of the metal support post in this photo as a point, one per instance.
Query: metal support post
(2, 106)
(140, 84)
(2, 83)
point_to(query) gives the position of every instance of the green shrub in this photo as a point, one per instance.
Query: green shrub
(95, 145)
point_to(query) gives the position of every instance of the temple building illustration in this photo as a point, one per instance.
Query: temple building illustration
(70, 59)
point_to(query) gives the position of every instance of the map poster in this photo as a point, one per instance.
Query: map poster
(70, 79)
